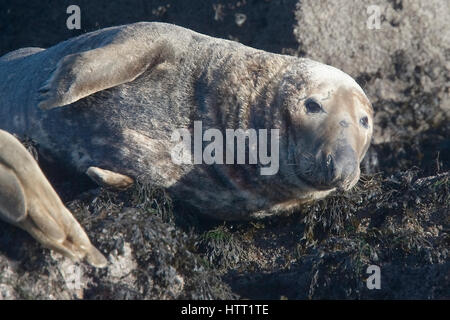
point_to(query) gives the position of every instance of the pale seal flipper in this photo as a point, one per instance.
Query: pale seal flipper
(28, 201)
(109, 179)
(79, 75)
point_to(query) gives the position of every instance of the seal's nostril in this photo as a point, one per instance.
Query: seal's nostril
(329, 162)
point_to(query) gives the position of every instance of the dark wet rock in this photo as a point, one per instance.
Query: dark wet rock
(399, 223)
(268, 23)
(148, 257)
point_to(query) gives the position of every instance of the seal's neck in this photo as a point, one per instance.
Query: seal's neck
(241, 91)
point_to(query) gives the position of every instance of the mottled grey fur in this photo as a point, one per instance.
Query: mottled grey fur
(112, 98)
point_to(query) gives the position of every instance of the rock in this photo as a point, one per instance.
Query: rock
(403, 65)
(148, 258)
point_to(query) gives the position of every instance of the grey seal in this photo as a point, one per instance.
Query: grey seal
(108, 102)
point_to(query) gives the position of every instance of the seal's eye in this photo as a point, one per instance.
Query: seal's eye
(313, 106)
(364, 122)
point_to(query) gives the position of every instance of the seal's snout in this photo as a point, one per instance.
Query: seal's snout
(340, 166)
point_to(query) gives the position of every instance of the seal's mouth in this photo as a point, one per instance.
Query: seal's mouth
(341, 187)
(327, 171)
(314, 185)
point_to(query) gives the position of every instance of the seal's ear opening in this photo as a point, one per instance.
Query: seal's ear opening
(79, 75)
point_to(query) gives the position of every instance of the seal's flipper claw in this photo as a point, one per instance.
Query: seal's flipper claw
(109, 179)
(96, 258)
(28, 201)
(81, 74)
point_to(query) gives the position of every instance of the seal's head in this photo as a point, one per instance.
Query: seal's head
(329, 126)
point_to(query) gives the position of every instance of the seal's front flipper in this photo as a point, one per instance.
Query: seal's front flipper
(81, 74)
(28, 201)
(109, 179)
